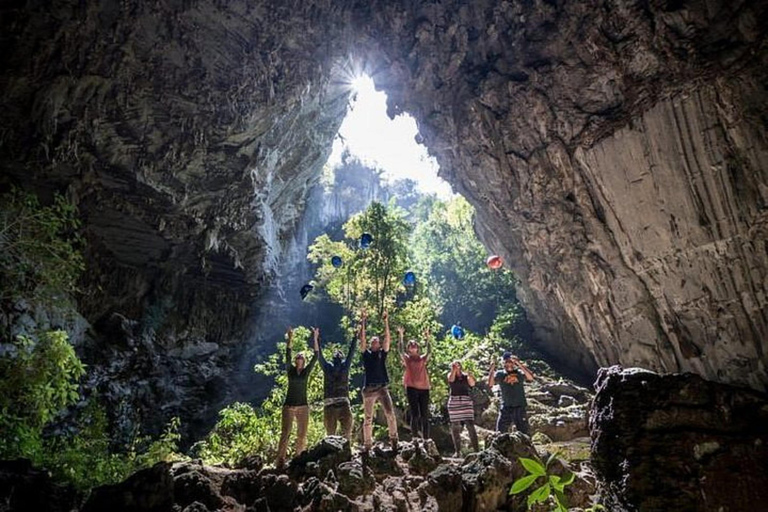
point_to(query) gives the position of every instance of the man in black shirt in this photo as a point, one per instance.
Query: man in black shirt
(376, 383)
(336, 390)
(295, 405)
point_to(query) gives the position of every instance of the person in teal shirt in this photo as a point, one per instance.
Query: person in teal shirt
(511, 383)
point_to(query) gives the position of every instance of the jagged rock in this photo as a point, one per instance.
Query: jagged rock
(381, 463)
(196, 507)
(260, 505)
(513, 446)
(486, 476)
(672, 442)
(23, 488)
(561, 424)
(445, 484)
(353, 480)
(148, 490)
(321, 458)
(280, 491)
(194, 486)
(243, 486)
(251, 462)
(421, 457)
(562, 388)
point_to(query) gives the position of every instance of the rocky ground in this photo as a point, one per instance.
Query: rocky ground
(333, 475)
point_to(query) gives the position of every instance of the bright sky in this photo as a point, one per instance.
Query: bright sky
(385, 143)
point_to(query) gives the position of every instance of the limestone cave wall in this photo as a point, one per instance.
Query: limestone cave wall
(615, 151)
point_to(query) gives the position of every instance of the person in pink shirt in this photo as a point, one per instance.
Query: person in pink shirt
(416, 382)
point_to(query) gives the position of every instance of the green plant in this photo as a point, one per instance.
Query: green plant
(553, 486)
(243, 430)
(39, 379)
(86, 459)
(39, 257)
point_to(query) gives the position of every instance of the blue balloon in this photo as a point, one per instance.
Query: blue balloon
(305, 290)
(457, 331)
(337, 262)
(409, 279)
(366, 239)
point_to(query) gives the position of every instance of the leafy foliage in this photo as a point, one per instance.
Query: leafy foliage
(87, 460)
(243, 430)
(448, 254)
(553, 486)
(39, 257)
(39, 380)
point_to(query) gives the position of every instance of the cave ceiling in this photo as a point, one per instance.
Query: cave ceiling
(615, 152)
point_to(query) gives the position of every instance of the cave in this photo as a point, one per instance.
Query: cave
(615, 153)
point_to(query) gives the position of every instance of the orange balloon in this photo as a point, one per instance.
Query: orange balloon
(494, 262)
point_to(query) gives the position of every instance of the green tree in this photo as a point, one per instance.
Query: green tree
(370, 278)
(39, 257)
(448, 254)
(243, 430)
(39, 379)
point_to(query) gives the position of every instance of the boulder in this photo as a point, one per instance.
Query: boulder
(23, 487)
(353, 480)
(321, 458)
(678, 442)
(195, 486)
(148, 490)
(445, 484)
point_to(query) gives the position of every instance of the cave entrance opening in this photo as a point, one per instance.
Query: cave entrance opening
(368, 135)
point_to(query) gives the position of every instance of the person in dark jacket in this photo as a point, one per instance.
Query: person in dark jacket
(336, 408)
(295, 406)
(376, 383)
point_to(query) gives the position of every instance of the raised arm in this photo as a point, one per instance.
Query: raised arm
(491, 375)
(387, 337)
(289, 342)
(400, 348)
(526, 371)
(363, 342)
(348, 360)
(453, 373)
(318, 352)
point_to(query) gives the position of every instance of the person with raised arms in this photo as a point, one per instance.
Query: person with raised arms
(513, 403)
(295, 406)
(416, 382)
(460, 407)
(376, 382)
(336, 409)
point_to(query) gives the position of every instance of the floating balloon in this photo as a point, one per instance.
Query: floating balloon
(457, 331)
(305, 290)
(409, 279)
(337, 262)
(366, 239)
(494, 262)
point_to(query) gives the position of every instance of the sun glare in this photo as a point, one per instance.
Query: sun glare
(388, 144)
(359, 82)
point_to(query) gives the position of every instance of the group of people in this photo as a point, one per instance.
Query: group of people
(337, 412)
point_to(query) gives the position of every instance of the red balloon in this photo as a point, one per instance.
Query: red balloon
(494, 262)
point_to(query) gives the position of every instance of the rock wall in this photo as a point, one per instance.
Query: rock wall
(616, 155)
(189, 134)
(672, 442)
(615, 152)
